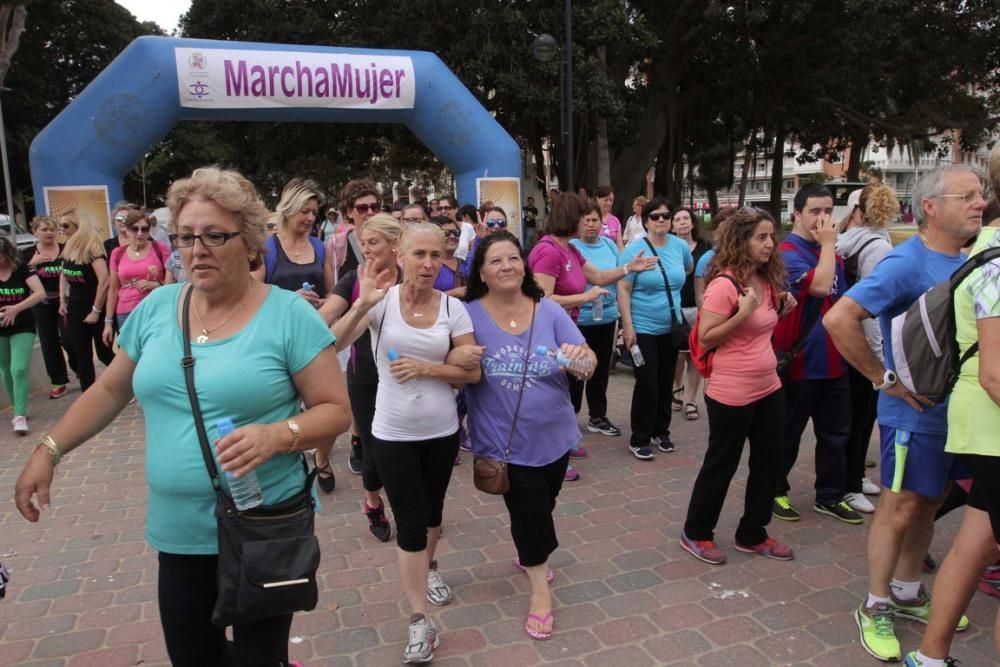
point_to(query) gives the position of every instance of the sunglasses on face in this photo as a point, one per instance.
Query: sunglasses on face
(365, 208)
(412, 221)
(445, 207)
(64, 226)
(656, 217)
(496, 223)
(139, 230)
(452, 233)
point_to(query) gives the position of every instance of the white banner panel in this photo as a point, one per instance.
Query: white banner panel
(232, 79)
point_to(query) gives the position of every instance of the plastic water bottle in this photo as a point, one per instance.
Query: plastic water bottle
(410, 386)
(246, 489)
(580, 366)
(597, 309)
(307, 286)
(637, 358)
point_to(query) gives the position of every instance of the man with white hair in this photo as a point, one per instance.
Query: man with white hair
(948, 205)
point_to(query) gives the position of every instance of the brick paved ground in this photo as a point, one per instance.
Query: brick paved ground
(626, 594)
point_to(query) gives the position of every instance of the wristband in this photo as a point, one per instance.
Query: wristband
(109, 320)
(50, 444)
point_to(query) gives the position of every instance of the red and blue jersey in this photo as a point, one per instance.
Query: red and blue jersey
(819, 358)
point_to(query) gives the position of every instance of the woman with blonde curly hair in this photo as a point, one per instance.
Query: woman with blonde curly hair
(863, 242)
(743, 299)
(260, 355)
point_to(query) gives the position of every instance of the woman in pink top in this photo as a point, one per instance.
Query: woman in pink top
(136, 270)
(743, 300)
(611, 226)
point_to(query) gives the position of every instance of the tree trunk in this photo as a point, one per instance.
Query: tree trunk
(777, 169)
(12, 19)
(859, 142)
(601, 131)
(748, 158)
(628, 175)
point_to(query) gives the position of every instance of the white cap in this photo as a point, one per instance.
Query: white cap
(854, 200)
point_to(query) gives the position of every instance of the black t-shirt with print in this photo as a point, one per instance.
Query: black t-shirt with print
(48, 272)
(82, 281)
(361, 369)
(13, 291)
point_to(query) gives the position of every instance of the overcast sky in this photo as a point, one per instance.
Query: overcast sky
(165, 13)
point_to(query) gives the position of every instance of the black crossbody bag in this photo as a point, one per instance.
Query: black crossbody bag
(268, 555)
(680, 330)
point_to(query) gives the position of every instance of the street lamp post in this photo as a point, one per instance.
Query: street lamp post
(6, 175)
(545, 48)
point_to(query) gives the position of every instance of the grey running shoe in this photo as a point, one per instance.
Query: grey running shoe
(423, 641)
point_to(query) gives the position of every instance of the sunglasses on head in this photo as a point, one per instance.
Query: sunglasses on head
(365, 208)
(656, 217)
(121, 218)
(496, 223)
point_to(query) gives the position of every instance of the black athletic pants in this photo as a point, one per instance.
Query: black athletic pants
(601, 339)
(864, 403)
(187, 590)
(654, 386)
(530, 502)
(85, 340)
(53, 339)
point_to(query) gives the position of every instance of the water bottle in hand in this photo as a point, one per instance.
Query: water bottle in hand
(597, 309)
(246, 489)
(581, 366)
(637, 358)
(307, 286)
(410, 386)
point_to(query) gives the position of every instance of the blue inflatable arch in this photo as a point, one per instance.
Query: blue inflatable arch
(157, 82)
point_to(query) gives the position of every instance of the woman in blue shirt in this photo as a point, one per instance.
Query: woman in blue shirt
(647, 321)
(599, 332)
(259, 351)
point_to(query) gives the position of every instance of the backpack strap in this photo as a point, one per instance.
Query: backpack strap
(270, 258)
(960, 274)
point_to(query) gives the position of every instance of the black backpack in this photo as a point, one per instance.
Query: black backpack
(852, 270)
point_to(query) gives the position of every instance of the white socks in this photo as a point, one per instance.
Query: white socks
(874, 599)
(924, 661)
(905, 590)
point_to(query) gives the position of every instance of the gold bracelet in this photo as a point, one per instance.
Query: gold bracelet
(53, 448)
(296, 431)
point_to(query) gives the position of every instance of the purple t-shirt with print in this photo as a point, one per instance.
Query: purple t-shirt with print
(546, 424)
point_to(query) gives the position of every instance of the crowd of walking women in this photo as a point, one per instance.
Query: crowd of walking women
(433, 327)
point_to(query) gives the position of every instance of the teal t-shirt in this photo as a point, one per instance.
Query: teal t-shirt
(603, 255)
(246, 377)
(650, 307)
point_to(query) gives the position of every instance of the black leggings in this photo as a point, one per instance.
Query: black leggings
(363, 410)
(187, 591)
(601, 339)
(416, 474)
(654, 386)
(864, 402)
(85, 339)
(729, 427)
(985, 492)
(53, 339)
(530, 502)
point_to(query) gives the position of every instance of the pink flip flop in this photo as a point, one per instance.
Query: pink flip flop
(535, 634)
(549, 575)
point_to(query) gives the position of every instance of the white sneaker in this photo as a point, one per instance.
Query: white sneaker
(859, 503)
(20, 425)
(438, 592)
(870, 488)
(423, 640)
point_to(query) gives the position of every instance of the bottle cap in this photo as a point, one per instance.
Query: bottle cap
(225, 426)
(392, 354)
(541, 349)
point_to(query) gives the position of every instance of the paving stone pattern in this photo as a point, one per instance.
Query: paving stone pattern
(84, 580)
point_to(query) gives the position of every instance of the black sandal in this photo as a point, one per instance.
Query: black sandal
(324, 476)
(678, 399)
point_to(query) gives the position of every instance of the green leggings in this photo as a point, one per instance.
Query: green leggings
(15, 362)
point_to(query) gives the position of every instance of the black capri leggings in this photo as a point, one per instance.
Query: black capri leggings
(187, 590)
(416, 475)
(985, 492)
(530, 502)
(363, 410)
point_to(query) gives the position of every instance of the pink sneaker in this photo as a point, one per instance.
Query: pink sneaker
(770, 547)
(578, 453)
(703, 550)
(572, 474)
